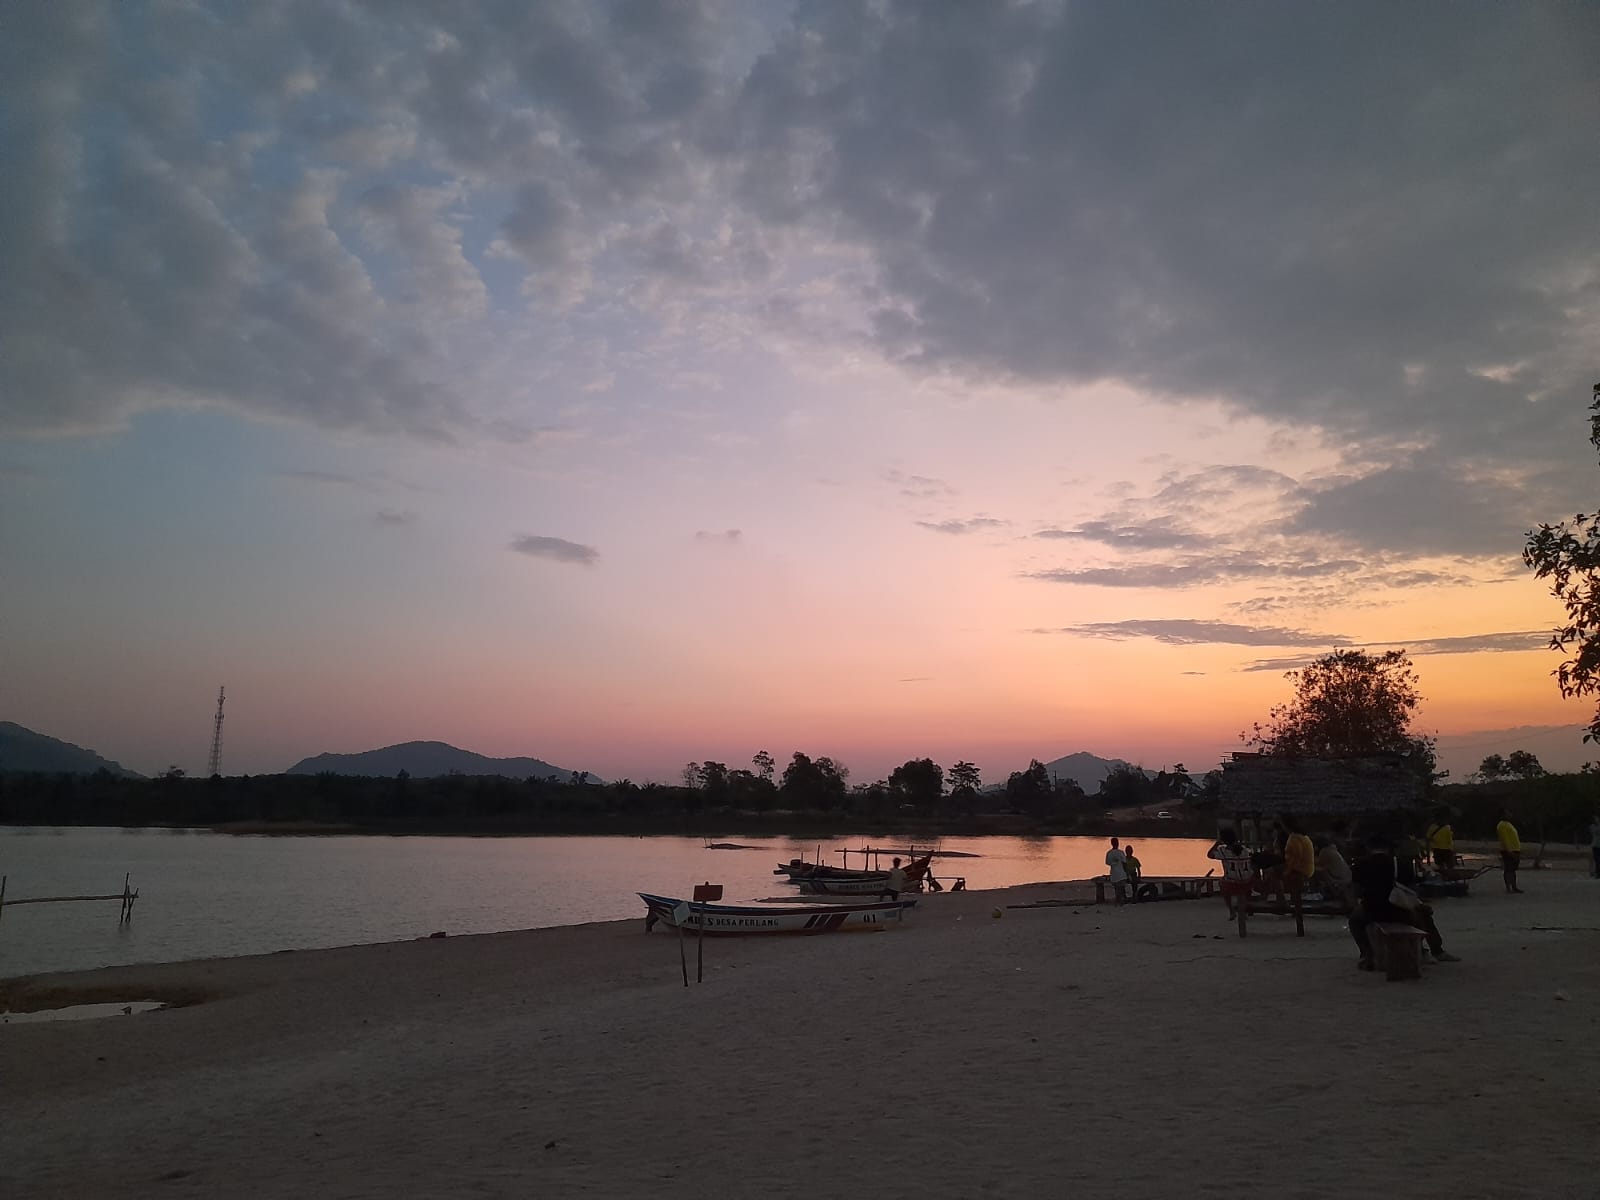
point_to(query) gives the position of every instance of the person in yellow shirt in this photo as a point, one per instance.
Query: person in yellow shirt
(1442, 841)
(1510, 851)
(1299, 857)
(1299, 864)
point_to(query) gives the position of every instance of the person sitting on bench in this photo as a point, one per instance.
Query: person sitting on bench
(1374, 878)
(1333, 875)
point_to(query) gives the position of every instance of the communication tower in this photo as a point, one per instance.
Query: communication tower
(214, 767)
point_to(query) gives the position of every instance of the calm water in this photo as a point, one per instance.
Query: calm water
(205, 894)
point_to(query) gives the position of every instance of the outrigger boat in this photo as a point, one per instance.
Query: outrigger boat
(770, 918)
(876, 885)
(797, 871)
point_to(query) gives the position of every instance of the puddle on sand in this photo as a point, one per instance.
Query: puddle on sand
(82, 1012)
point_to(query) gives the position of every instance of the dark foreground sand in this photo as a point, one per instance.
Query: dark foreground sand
(1056, 1051)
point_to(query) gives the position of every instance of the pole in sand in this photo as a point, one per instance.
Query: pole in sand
(680, 916)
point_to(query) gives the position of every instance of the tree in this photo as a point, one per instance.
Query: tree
(1348, 703)
(1569, 557)
(965, 780)
(1524, 764)
(919, 782)
(762, 761)
(1029, 791)
(1491, 768)
(714, 782)
(1124, 787)
(809, 783)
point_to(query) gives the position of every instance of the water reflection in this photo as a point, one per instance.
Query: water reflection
(214, 894)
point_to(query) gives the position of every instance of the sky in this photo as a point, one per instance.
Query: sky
(631, 383)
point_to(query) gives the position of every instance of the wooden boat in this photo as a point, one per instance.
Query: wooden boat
(770, 918)
(819, 886)
(797, 871)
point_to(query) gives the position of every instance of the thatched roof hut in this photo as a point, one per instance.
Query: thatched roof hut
(1264, 785)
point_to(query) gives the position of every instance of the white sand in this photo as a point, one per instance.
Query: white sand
(1053, 1052)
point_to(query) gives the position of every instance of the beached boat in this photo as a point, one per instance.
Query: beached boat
(874, 885)
(770, 918)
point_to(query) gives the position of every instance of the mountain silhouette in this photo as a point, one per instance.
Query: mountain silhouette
(24, 750)
(424, 760)
(1088, 770)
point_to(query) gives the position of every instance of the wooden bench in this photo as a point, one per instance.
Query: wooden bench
(1396, 949)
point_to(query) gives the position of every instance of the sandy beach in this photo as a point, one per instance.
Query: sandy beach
(1139, 1051)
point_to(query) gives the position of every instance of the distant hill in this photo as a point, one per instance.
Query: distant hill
(1089, 770)
(424, 760)
(24, 750)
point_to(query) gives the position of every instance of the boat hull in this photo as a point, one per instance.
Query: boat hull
(721, 919)
(844, 887)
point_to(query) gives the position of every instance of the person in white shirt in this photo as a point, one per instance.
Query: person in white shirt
(1117, 865)
(1238, 872)
(895, 884)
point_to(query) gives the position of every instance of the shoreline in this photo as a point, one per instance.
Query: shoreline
(1095, 1047)
(791, 829)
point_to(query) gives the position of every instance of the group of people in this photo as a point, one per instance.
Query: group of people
(1124, 870)
(1373, 889)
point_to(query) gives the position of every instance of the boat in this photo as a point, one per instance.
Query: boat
(770, 918)
(876, 885)
(797, 871)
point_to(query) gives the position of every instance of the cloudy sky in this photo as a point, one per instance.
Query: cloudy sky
(629, 383)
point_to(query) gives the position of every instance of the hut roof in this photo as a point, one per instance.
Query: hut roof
(1270, 783)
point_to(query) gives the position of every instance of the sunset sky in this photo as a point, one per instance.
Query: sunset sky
(623, 384)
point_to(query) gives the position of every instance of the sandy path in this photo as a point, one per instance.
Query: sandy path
(1051, 1051)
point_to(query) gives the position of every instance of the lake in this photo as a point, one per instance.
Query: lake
(204, 895)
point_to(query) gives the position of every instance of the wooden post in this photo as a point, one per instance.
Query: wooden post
(1297, 888)
(3, 895)
(683, 959)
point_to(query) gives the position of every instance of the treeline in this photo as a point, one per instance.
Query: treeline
(711, 793)
(1557, 808)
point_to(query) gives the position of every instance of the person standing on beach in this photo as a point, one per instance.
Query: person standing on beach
(1441, 840)
(1237, 870)
(1510, 851)
(1117, 868)
(895, 884)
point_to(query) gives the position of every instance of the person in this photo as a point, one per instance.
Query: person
(1333, 875)
(1237, 870)
(1117, 868)
(1134, 868)
(1299, 858)
(896, 883)
(1510, 851)
(1374, 880)
(1442, 842)
(1594, 843)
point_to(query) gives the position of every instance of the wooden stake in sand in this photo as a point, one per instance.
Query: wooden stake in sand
(681, 916)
